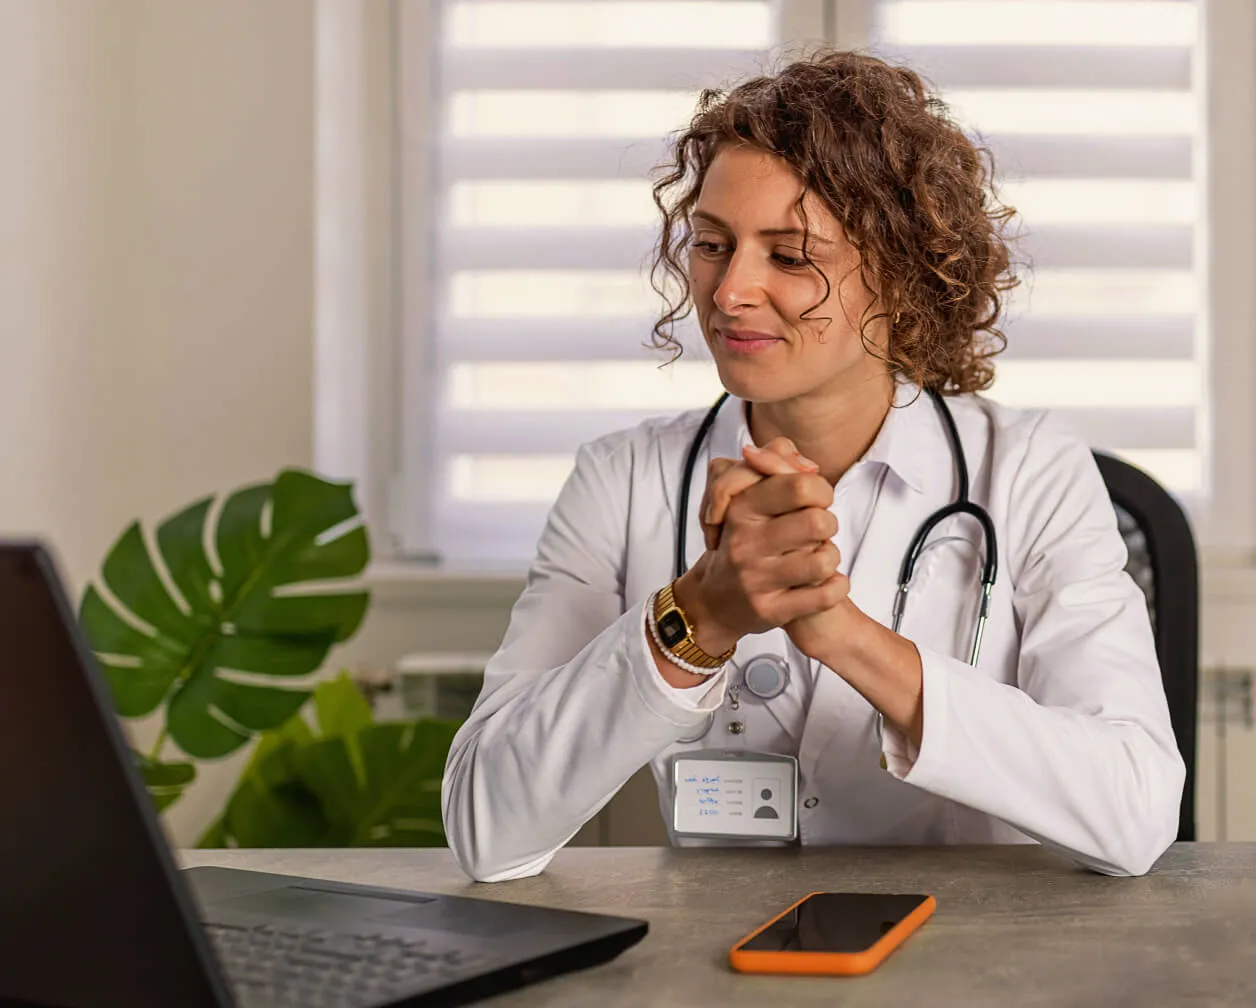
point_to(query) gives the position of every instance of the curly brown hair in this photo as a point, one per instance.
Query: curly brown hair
(912, 193)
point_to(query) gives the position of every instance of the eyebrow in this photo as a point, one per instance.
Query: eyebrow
(765, 232)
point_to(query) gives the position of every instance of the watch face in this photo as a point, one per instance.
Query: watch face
(672, 628)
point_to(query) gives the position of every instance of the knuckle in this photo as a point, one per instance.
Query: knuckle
(798, 488)
(818, 524)
(738, 550)
(835, 591)
(822, 564)
(817, 491)
(761, 608)
(813, 490)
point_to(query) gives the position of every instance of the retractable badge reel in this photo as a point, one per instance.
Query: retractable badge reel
(732, 792)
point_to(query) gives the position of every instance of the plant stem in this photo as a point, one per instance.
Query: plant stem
(161, 741)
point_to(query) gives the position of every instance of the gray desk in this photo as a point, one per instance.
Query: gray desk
(1015, 926)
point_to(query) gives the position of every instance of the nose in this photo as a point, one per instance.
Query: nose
(741, 287)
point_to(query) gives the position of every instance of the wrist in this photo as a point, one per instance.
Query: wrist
(849, 634)
(708, 632)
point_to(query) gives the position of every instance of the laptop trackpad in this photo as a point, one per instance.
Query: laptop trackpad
(330, 908)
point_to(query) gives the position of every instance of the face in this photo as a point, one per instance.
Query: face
(751, 285)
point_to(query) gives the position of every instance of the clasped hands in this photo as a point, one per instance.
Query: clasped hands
(770, 560)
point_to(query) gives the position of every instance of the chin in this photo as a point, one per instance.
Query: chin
(755, 386)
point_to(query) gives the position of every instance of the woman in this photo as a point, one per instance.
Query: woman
(836, 234)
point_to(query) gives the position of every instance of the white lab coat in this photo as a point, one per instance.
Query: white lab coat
(1061, 734)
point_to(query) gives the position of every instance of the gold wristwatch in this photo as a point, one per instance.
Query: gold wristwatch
(676, 633)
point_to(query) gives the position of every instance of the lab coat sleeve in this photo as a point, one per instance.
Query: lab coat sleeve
(1082, 756)
(572, 703)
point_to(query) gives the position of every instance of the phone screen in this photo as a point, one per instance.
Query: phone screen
(834, 922)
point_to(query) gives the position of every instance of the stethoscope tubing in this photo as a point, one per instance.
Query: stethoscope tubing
(961, 505)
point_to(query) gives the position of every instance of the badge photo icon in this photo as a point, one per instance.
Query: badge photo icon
(767, 798)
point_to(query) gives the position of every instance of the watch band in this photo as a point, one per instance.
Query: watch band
(663, 649)
(673, 632)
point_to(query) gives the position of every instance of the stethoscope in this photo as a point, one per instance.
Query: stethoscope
(770, 674)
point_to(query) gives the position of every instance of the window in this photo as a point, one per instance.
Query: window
(548, 117)
(1094, 113)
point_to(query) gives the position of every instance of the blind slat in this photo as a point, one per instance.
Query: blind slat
(632, 158)
(1159, 67)
(610, 69)
(562, 157)
(1129, 247)
(493, 432)
(1159, 337)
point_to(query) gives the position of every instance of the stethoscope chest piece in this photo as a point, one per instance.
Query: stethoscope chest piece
(766, 676)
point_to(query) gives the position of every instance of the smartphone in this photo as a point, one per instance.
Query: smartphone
(837, 933)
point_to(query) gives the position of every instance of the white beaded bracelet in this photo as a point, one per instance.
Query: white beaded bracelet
(706, 673)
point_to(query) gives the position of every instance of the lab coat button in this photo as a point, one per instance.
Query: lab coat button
(811, 802)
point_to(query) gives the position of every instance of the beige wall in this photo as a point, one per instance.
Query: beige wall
(156, 264)
(65, 400)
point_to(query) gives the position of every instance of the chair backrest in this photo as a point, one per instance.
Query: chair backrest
(1163, 562)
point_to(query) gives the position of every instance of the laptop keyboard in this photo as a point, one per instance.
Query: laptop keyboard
(280, 965)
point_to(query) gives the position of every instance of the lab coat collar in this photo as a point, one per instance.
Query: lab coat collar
(911, 444)
(904, 443)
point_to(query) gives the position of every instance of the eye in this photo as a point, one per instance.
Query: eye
(789, 261)
(710, 248)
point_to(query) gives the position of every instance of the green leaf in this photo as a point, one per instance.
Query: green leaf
(138, 666)
(351, 784)
(131, 576)
(167, 627)
(180, 541)
(165, 782)
(341, 707)
(284, 816)
(215, 835)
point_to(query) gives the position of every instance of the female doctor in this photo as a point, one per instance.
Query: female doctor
(910, 597)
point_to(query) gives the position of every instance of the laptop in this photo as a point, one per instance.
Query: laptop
(94, 912)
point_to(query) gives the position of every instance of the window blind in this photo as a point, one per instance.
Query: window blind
(553, 113)
(1094, 112)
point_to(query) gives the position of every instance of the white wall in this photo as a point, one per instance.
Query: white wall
(156, 265)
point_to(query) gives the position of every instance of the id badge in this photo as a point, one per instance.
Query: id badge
(728, 793)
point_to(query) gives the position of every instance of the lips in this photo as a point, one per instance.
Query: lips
(746, 340)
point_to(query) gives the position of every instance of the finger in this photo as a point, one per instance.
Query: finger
(807, 567)
(780, 494)
(787, 450)
(800, 529)
(733, 480)
(760, 462)
(715, 472)
(768, 462)
(799, 602)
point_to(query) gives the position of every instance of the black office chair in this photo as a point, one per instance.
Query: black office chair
(1162, 561)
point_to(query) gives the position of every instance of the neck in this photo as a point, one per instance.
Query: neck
(833, 430)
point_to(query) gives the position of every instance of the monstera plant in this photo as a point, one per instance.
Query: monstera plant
(220, 618)
(348, 782)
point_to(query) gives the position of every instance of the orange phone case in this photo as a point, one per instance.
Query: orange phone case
(828, 963)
